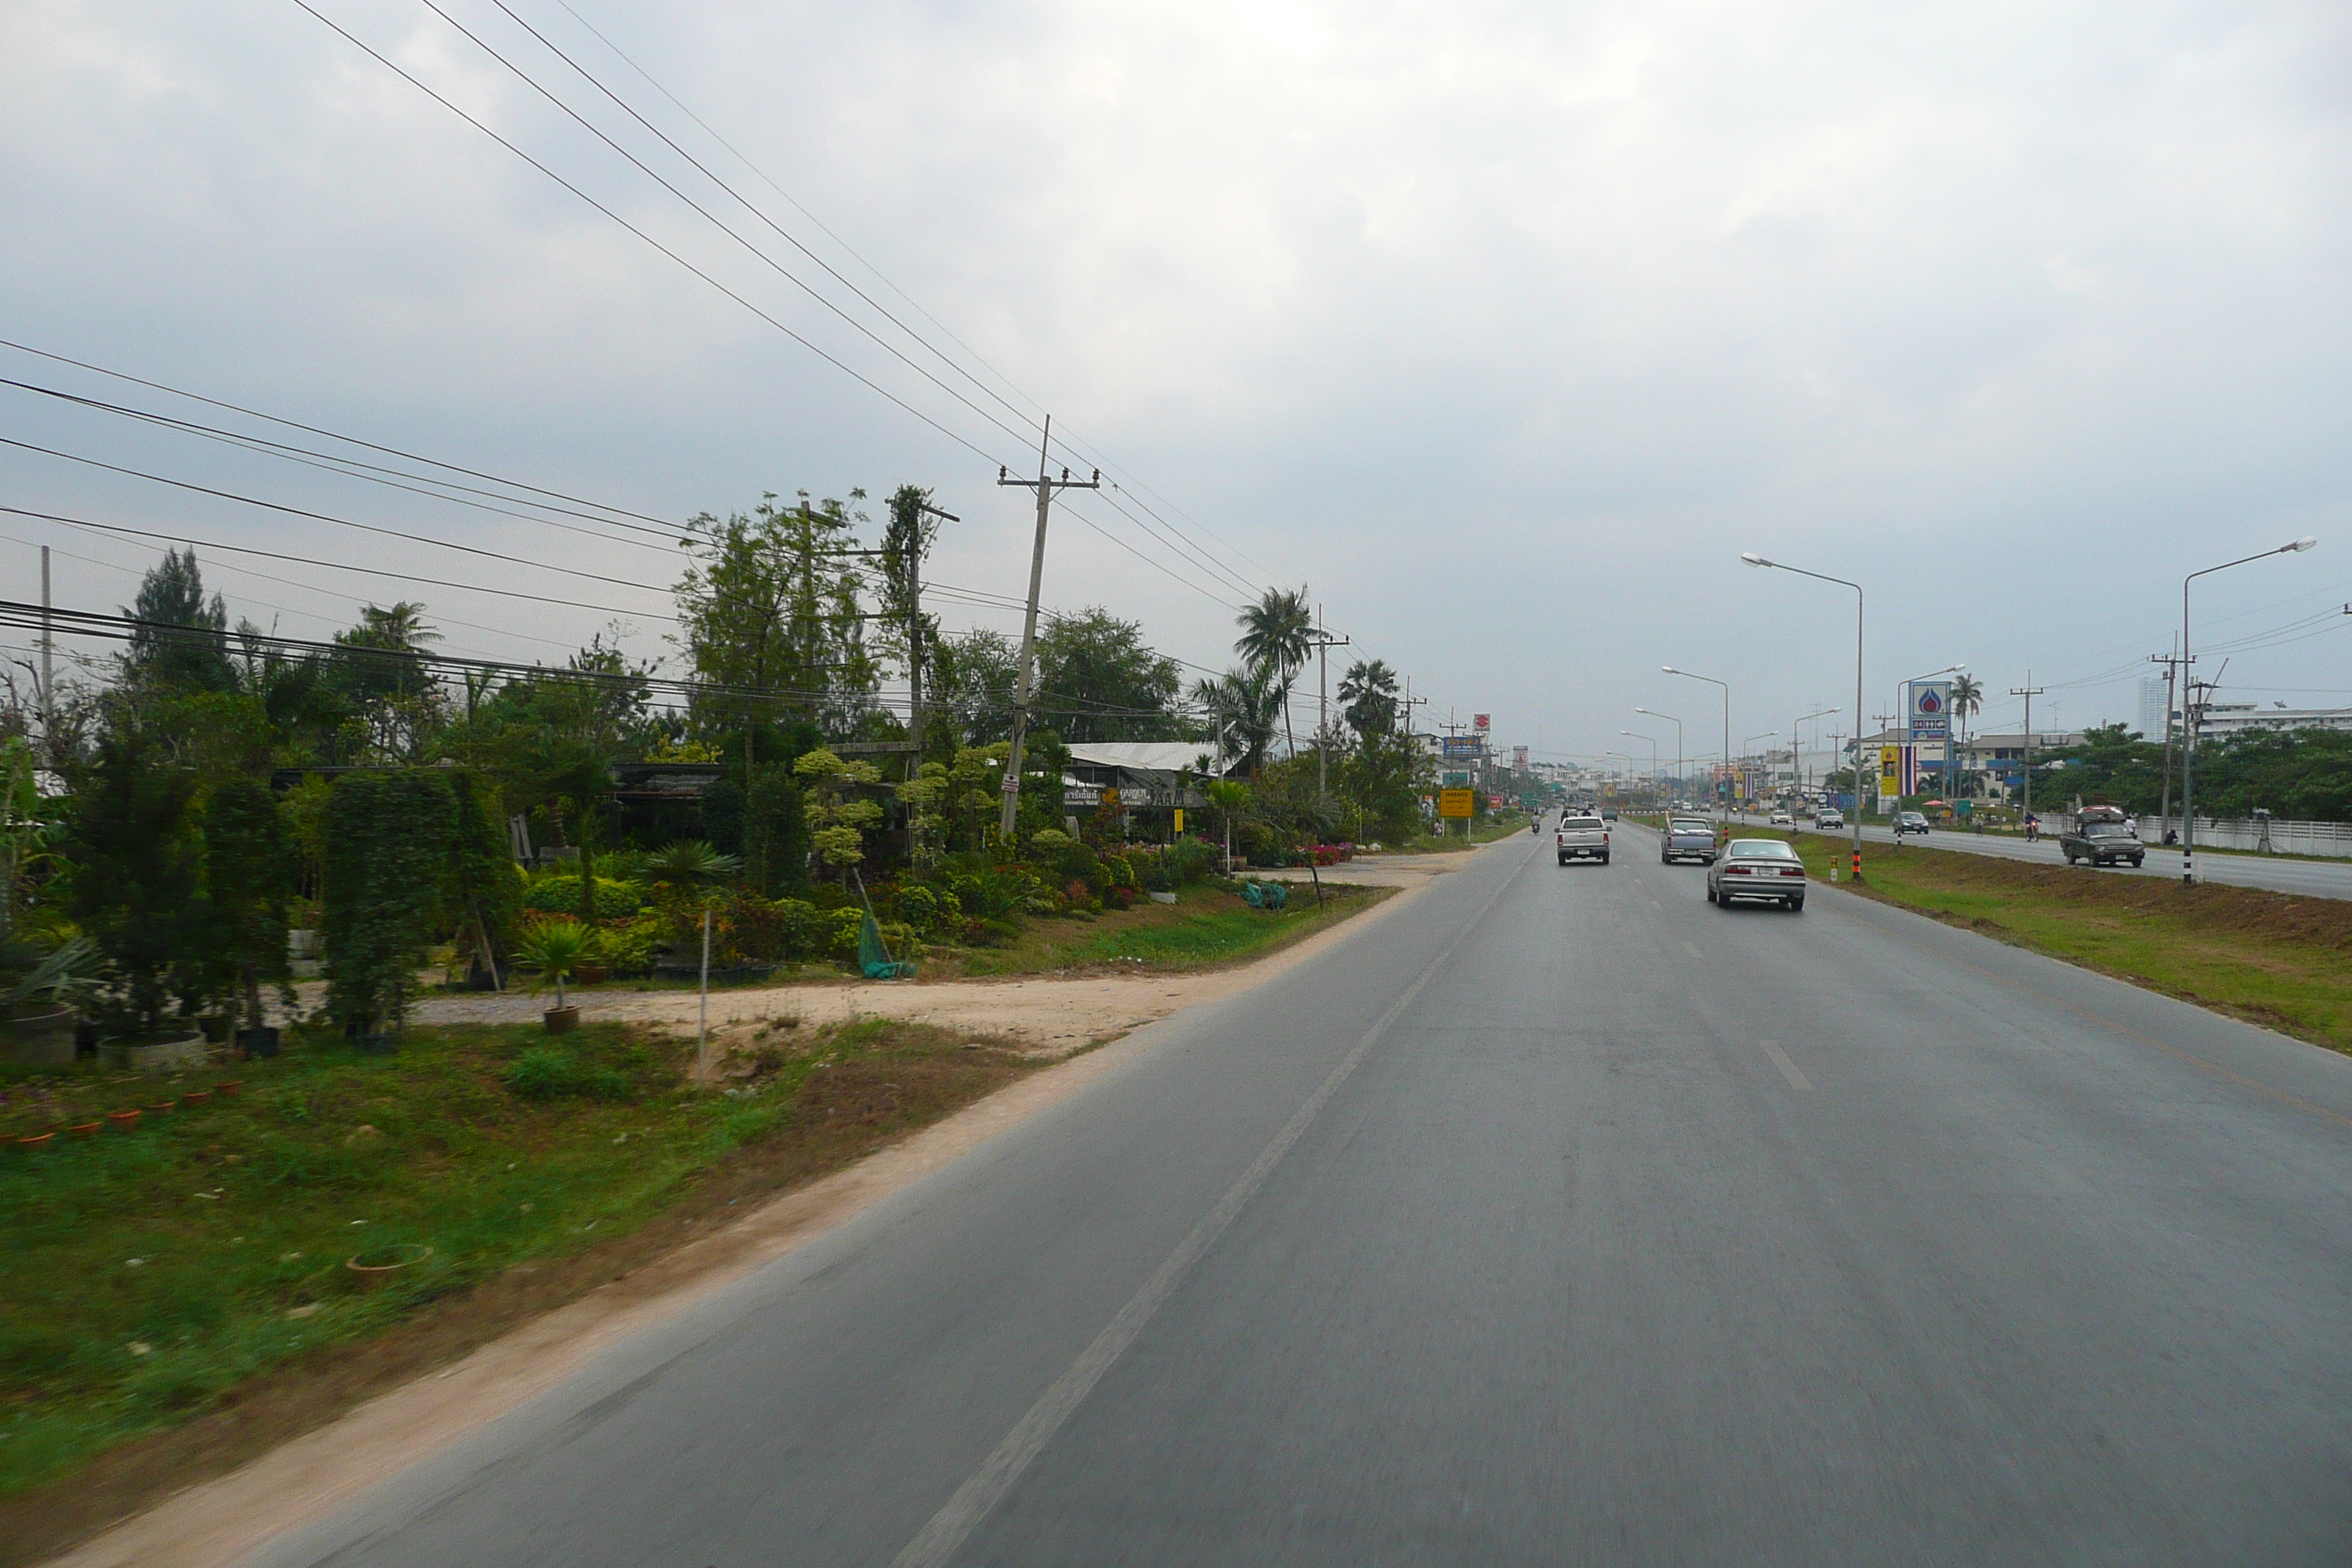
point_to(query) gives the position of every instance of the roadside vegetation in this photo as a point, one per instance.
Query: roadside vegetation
(202, 1260)
(2278, 960)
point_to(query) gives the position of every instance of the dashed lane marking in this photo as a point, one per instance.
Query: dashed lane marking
(1797, 1080)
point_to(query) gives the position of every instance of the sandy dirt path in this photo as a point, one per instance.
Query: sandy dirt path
(221, 1522)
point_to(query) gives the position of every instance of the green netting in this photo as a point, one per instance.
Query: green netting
(874, 958)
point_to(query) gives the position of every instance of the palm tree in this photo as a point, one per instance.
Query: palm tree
(1367, 697)
(1246, 701)
(1277, 634)
(1967, 698)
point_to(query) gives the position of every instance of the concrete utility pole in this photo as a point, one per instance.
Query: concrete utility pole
(1324, 643)
(2189, 708)
(915, 634)
(1044, 487)
(2029, 691)
(49, 671)
(2171, 662)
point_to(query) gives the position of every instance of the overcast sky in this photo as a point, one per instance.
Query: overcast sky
(1505, 327)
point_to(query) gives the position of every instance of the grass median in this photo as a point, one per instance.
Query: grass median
(1208, 925)
(177, 1296)
(2279, 960)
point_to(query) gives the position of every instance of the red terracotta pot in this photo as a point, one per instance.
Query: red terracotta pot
(123, 1121)
(87, 1129)
(235, 1085)
(34, 1142)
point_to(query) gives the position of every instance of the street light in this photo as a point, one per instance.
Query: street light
(2189, 707)
(1711, 681)
(1755, 560)
(1653, 757)
(1760, 735)
(1796, 755)
(1678, 740)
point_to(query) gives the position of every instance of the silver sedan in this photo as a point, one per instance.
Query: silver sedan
(1764, 868)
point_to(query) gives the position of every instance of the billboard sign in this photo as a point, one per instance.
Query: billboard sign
(1455, 802)
(1465, 746)
(1482, 722)
(1931, 711)
(1890, 771)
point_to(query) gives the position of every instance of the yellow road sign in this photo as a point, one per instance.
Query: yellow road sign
(1179, 819)
(1455, 802)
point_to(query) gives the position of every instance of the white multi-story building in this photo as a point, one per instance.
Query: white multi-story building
(2153, 706)
(2215, 720)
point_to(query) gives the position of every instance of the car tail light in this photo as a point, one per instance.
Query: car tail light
(1792, 870)
(1735, 870)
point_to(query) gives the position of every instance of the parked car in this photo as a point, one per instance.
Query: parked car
(1760, 868)
(1782, 819)
(1687, 838)
(1830, 819)
(2102, 840)
(1582, 838)
(1909, 822)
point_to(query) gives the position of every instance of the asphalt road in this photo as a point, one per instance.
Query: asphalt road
(1559, 1217)
(2318, 878)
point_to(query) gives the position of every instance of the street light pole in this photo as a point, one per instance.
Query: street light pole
(1654, 759)
(1678, 740)
(1711, 681)
(1796, 751)
(1755, 560)
(2189, 707)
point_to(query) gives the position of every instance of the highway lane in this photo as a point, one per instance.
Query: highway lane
(1559, 1217)
(2317, 878)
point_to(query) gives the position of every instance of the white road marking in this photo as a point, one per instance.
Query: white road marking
(1788, 1068)
(1692, 948)
(977, 1497)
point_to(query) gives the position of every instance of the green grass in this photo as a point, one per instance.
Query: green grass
(2278, 959)
(1208, 925)
(149, 1274)
(1482, 830)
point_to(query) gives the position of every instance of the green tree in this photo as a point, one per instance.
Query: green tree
(138, 863)
(1277, 634)
(973, 683)
(775, 831)
(1249, 704)
(769, 617)
(248, 877)
(184, 640)
(1102, 682)
(388, 840)
(1367, 697)
(379, 670)
(838, 815)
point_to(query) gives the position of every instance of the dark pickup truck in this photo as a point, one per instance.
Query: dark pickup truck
(2103, 841)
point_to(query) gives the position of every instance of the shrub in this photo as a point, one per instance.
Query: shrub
(387, 852)
(248, 877)
(843, 926)
(559, 895)
(775, 930)
(136, 858)
(629, 946)
(919, 907)
(1119, 871)
(550, 1072)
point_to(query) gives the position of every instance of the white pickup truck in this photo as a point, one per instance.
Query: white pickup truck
(1582, 838)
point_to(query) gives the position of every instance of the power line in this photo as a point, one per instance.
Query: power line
(320, 516)
(329, 435)
(333, 565)
(351, 468)
(863, 380)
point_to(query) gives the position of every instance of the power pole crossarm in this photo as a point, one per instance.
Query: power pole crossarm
(1044, 486)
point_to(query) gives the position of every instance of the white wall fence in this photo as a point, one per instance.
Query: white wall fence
(2333, 838)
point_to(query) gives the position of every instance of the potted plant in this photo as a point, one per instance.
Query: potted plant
(558, 947)
(36, 1020)
(137, 862)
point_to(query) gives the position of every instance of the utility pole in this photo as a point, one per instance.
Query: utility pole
(2030, 691)
(2171, 662)
(49, 671)
(915, 632)
(1324, 643)
(1044, 487)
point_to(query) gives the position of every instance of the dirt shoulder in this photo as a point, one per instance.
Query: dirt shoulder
(419, 1390)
